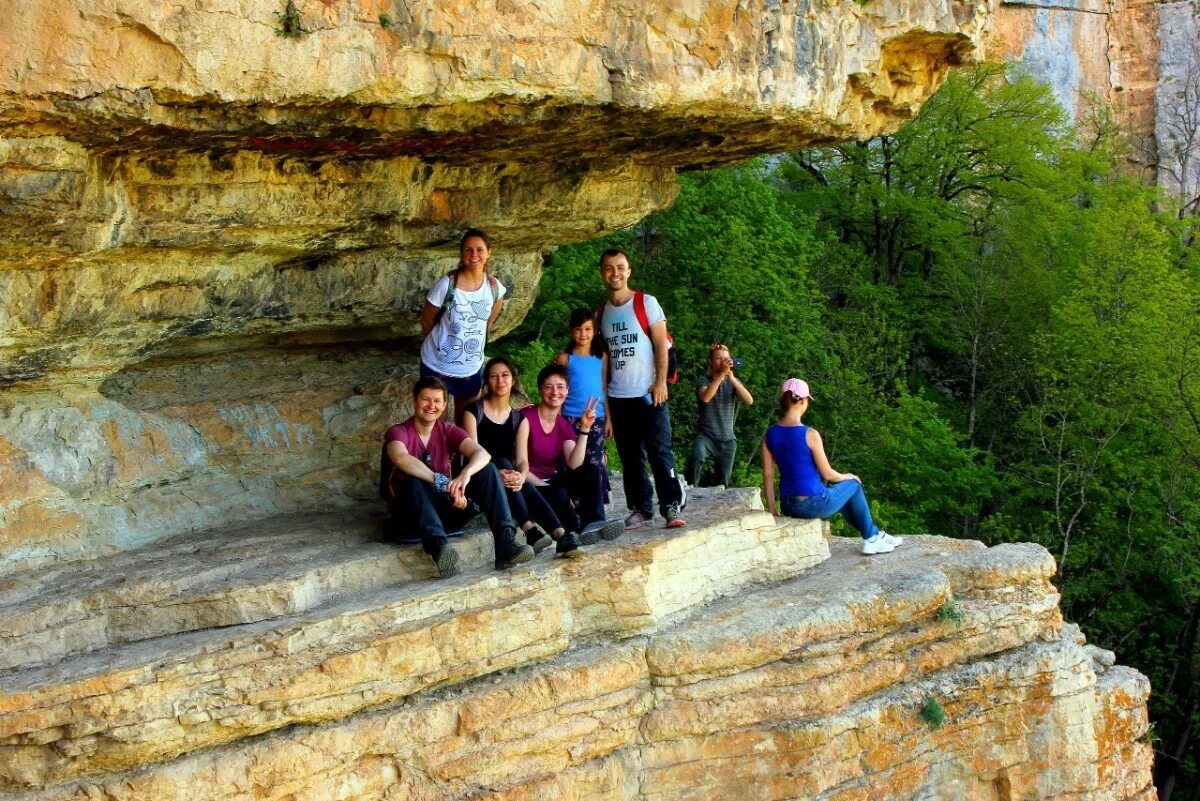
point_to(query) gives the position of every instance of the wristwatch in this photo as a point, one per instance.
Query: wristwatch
(441, 482)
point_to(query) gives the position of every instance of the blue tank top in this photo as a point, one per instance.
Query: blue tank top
(586, 381)
(797, 471)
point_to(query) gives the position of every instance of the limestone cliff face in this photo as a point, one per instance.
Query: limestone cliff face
(1139, 56)
(215, 239)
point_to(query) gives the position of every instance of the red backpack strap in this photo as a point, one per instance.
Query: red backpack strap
(495, 286)
(639, 310)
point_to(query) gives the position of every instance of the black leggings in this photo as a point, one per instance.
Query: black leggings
(529, 505)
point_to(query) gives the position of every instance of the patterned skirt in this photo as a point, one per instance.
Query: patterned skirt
(595, 450)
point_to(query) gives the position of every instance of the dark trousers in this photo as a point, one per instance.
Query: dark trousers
(721, 450)
(529, 504)
(577, 496)
(642, 430)
(418, 505)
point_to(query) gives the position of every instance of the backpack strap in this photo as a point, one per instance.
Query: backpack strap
(448, 298)
(495, 285)
(639, 310)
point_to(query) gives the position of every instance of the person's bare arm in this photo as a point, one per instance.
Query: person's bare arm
(575, 452)
(608, 431)
(768, 463)
(743, 394)
(658, 335)
(709, 391)
(408, 464)
(471, 424)
(497, 307)
(477, 459)
(817, 448)
(561, 359)
(428, 318)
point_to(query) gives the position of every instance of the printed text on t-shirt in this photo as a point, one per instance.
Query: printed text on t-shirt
(622, 345)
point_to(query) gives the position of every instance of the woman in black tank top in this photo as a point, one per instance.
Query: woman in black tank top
(492, 422)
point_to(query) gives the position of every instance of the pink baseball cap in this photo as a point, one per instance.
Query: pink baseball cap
(797, 387)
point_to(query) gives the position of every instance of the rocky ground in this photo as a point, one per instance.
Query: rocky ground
(740, 657)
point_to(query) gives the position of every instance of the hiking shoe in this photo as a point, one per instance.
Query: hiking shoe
(568, 546)
(537, 538)
(673, 515)
(601, 530)
(446, 561)
(882, 542)
(519, 555)
(509, 552)
(637, 520)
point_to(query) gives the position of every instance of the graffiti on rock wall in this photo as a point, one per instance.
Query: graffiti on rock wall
(266, 427)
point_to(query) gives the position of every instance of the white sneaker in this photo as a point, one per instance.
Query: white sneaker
(882, 542)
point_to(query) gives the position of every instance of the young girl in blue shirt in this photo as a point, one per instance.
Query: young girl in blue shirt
(586, 361)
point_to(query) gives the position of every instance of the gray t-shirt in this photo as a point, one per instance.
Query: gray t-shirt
(630, 350)
(715, 418)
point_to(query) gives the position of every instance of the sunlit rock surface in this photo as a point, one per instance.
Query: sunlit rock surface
(742, 657)
(215, 239)
(1137, 57)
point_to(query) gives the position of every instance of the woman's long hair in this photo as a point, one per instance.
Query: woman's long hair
(485, 391)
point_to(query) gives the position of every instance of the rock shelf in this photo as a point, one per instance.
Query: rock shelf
(743, 656)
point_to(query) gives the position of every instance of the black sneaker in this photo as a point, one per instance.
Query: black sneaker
(446, 561)
(568, 546)
(601, 530)
(537, 538)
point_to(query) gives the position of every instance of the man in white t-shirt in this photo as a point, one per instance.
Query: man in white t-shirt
(635, 329)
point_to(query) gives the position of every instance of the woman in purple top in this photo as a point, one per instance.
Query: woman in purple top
(552, 454)
(804, 469)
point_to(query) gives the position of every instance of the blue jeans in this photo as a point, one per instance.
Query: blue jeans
(846, 497)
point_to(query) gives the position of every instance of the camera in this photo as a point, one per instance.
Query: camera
(737, 363)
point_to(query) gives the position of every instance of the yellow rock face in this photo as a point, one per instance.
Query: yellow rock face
(218, 220)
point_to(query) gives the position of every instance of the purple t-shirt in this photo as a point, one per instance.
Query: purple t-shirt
(546, 450)
(444, 442)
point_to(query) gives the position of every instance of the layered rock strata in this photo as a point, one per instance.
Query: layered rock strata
(218, 219)
(608, 677)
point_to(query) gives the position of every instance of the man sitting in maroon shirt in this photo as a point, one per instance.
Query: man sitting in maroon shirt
(421, 491)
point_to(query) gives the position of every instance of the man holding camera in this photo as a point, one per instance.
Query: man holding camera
(719, 393)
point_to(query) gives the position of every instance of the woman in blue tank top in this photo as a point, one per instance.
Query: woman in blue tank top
(804, 470)
(586, 361)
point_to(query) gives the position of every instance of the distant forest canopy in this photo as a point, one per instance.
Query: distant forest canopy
(1001, 328)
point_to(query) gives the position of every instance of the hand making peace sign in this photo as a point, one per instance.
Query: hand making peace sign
(588, 418)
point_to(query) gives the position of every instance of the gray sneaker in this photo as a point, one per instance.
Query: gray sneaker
(601, 530)
(674, 516)
(637, 520)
